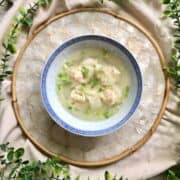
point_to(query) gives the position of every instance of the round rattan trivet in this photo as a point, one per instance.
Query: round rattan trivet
(73, 154)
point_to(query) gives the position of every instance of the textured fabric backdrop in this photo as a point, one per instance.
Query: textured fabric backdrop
(161, 151)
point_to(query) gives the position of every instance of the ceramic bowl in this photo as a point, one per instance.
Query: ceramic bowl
(72, 123)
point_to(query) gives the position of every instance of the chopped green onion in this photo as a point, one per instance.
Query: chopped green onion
(67, 64)
(126, 92)
(85, 71)
(107, 114)
(63, 78)
(94, 82)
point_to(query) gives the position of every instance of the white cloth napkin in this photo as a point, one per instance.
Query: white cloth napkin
(161, 151)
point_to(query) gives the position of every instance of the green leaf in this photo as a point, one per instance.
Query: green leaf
(57, 169)
(11, 149)
(8, 72)
(2, 156)
(19, 152)
(13, 171)
(174, 59)
(12, 48)
(4, 45)
(4, 147)
(10, 155)
(2, 76)
(177, 40)
(4, 59)
(25, 162)
(174, 173)
(27, 22)
(107, 175)
(171, 176)
(167, 13)
(165, 1)
(44, 2)
(121, 178)
(177, 46)
(171, 70)
(6, 55)
(22, 11)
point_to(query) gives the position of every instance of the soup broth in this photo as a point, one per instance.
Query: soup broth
(92, 84)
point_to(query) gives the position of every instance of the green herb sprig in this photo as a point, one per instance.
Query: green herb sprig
(14, 167)
(173, 173)
(173, 11)
(23, 21)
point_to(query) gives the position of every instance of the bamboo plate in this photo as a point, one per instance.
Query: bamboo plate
(55, 141)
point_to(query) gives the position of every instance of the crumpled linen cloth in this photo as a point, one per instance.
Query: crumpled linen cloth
(161, 151)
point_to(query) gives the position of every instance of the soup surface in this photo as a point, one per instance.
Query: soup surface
(92, 84)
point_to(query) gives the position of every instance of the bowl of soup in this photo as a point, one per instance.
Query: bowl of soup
(91, 85)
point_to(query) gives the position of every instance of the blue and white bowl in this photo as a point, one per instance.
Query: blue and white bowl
(65, 119)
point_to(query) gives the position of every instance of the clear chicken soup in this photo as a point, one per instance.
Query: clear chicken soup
(92, 84)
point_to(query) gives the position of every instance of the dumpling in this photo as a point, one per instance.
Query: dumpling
(108, 75)
(90, 62)
(109, 97)
(75, 73)
(84, 72)
(94, 99)
(77, 96)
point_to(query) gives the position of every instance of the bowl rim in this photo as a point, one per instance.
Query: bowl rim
(61, 122)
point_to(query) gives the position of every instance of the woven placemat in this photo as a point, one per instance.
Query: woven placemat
(42, 130)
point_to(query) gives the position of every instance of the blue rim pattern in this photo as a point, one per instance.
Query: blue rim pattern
(68, 127)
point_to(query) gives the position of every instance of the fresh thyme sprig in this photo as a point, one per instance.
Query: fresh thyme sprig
(173, 11)
(174, 173)
(14, 167)
(23, 20)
